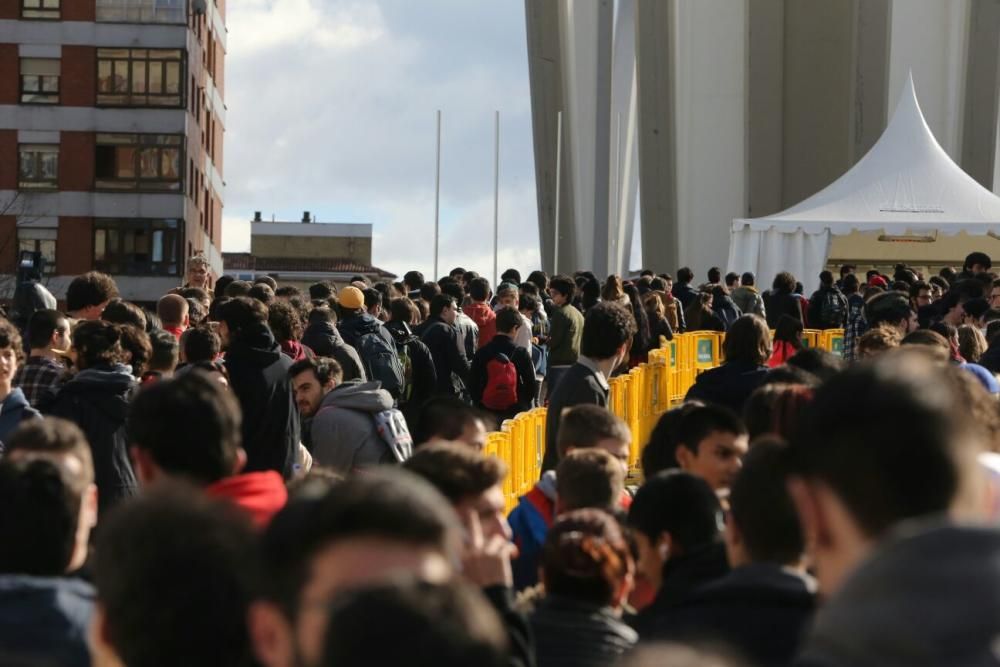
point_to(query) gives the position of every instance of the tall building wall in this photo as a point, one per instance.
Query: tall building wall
(112, 121)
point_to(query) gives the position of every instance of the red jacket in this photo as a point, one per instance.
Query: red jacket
(485, 319)
(260, 494)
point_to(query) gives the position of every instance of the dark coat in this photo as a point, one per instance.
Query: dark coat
(730, 384)
(726, 310)
(682, 576)
(569, 633)
(684, 293)
(324, 339)
(450, 362)
(44, 620)
(96, 400)
(527, 385)
(423, 375)
(782, 303)
(258, 374)
(761, 610)
(578, 386)
(13, 410)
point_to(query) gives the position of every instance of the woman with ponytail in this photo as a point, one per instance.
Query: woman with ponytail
(96, 399)
(587, 572)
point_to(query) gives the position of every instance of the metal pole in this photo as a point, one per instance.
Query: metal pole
(555, 249)
(496, 196)
(437, 198)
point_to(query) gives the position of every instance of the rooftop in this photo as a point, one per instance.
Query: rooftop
(244, 261)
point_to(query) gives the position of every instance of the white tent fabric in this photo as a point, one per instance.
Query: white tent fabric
(906, 184)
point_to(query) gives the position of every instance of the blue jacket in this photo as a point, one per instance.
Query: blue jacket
(530, 522)
(45, 619)
(13, 410)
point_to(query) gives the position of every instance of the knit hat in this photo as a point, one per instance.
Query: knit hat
(352, 297)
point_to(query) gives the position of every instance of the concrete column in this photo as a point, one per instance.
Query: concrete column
(711, 126)
(545, 72)
(765, 108)
(657, 139)
(930, 37)
(979, 140)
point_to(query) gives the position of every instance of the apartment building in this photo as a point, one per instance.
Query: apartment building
(111, 138)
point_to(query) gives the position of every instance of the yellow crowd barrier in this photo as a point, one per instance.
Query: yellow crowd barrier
(639, 397)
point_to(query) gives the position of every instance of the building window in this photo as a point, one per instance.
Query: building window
(38, 166)
(140, 77)
(151, 162)
(39, 80)
(142, 11)
(40, 9)
(137, 247)
(38, 240)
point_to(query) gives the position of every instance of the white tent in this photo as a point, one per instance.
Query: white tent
(905, 185)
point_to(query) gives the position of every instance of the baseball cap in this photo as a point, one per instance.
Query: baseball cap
(352, 297)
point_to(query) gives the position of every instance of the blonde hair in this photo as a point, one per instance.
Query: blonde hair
(198, 259)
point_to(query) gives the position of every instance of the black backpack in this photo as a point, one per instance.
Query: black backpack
(832, 310)
(381, 362)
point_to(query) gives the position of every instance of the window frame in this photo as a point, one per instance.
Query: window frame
(138, 182)
(36, 183)
(41, 13)
(121, 262)
(22, 91)
(36, 237)
(129, 94)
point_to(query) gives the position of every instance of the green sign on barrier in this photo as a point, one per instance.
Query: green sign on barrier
(673, 354)
(806, 342)
(837, 343)
(705, 355)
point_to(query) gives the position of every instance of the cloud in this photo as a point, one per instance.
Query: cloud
(332, 107)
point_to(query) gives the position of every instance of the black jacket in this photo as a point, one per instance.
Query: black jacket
(422, 376)
(578, 386)
(684, 293)
(726, 310)
(781, 303)
(258, 374)
(527, 385)
(324, 339)
(682, 576)
(521, 651)
(569, 633)
(450, 362)
(96, 400)
(761, 610)
(730, 384)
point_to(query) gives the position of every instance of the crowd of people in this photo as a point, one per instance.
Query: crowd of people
(253, 474)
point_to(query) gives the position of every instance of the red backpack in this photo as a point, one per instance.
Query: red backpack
(500, 394)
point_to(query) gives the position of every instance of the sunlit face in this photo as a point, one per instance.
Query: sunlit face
(60, 339)
(8, 364)
(617, 448)
(308, 392)
(509, 299)
(717, 459)
(474, 434)
(489, 506)
(197, 275)
(557, 297)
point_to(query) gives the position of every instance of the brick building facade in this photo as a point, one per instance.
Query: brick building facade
(111, 135)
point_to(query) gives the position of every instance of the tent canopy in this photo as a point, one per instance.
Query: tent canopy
(906, 184)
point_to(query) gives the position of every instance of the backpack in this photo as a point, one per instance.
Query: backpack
(381, 362)
(832, 310)
(500, 393)
(393, 431)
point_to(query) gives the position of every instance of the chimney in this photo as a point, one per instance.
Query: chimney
(256, 217)
(306, 217)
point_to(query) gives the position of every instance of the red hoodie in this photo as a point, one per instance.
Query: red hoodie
(485, 318)
(260, 494)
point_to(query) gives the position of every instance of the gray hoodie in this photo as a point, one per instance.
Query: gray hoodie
(930, 595)
(343, 430)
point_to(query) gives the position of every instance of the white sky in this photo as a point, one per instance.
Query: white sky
(331, 109)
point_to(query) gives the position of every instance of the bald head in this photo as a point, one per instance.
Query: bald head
(172, 310)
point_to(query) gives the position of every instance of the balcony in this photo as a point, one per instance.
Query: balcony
(142, 11)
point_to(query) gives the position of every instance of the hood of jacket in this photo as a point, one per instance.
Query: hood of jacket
(108, 387)
(361, 396)
(260, 494)
(358, 325)
(254, 345)
(930, 595)
(479, 312)
(294, 349)
(59, 604)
